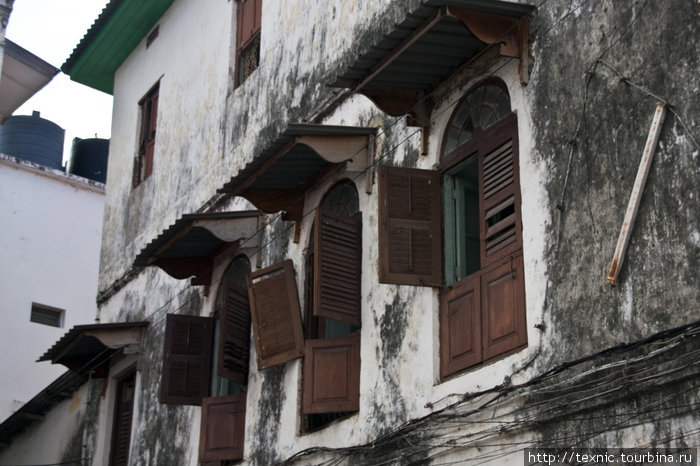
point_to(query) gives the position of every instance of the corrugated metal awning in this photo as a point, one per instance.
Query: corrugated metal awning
(435, 41)
(187, 247)
(87, 348)
(277, 178)
(36, 408)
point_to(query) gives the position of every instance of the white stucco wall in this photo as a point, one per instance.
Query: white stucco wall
(190, 59)
(49, 254)
(45, 442)
(198, 146)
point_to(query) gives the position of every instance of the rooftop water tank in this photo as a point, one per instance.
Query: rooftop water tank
(88, 158)
(34, 139)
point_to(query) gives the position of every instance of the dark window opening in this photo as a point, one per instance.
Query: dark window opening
(248, 25)
(206, 363)
(153, 35)
(123, 414)
(482, 311)
(47, 315)
(338, 209)
(143, 163)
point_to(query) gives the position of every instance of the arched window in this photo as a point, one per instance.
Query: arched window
(475, 255)
(332, 308)
(232, 347)
(482, 311)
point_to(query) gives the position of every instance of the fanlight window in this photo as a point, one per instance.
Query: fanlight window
(484, 106)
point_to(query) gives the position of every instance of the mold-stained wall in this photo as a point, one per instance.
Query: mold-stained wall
(581, 132)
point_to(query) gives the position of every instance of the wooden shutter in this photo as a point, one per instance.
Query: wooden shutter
(338, 267)
(274, 306)
(499, 192)
(460, 326)
(410, 243)
(222, 432)
(187, 359)
(503, 308)
(249, 15)
(332, 375)
(123, 416)
(234, 336)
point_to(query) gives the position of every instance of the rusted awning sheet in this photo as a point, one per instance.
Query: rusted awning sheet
(187, 247)
(277, 177)
(86, 348)
(430, 45)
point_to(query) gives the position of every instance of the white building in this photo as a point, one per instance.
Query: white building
(424, 281)
(49, 251)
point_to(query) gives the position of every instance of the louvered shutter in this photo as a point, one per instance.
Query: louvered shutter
(460, 326)
(332, 375)
(410, 243)
(499, 192)
(123, 416)
(338, 267)
(222, 432)
(503, 308)
(274, 306)
(187, 359)
(234, 336)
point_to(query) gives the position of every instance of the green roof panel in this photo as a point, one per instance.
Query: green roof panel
(113, 36)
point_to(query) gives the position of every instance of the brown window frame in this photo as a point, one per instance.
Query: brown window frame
(482, 315)
(333, 303)
(248, 27)
(148, 110)
(216, 443)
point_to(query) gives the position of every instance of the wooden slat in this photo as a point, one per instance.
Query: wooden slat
(234, 333)
(222, 432)
(503, 308)
(337, 267)
(332, 375)
(460, 326)
(274, 305)
(187, 359)
(410, 239)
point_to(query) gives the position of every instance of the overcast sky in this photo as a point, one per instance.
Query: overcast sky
(51, 29)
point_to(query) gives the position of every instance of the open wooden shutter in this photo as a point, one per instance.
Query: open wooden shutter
(410, 240)
(274, 306)
(186, 359)
(503, 307)
(460, 326)
(332, 375)
(234, 336)
(249, 17)
(222, 433)
(338, 267)
(499, 192)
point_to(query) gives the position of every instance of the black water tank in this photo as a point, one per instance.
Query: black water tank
(34, 139)
(88, 158)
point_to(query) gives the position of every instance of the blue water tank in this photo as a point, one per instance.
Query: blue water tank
(88, 158)
(34, 139)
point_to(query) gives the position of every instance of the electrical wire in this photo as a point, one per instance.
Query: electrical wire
(277, 217)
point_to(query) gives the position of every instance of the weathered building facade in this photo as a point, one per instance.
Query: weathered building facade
(345, 232)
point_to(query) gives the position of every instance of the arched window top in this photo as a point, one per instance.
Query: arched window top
(341, 199)
(484, 105)
(235, 277)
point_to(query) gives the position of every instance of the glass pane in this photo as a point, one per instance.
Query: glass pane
(492, 94)
(465, 136)
(462, 114)
(489, 119)
(476, 98)
(482, 107)
(503, 105)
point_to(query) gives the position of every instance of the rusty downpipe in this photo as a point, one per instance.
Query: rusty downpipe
(637, 189)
